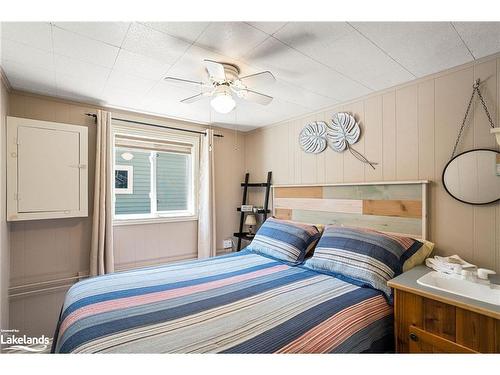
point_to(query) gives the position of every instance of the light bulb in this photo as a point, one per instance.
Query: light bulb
(222, 100)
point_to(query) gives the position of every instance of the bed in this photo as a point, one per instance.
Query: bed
(248, 302)
(239, 303)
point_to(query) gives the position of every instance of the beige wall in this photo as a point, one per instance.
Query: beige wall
(48, 250)
(4, 233)
(410, 131)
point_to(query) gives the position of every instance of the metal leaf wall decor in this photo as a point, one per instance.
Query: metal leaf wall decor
(343, 132)
(312, 138)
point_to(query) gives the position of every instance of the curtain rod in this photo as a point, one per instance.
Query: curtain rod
(156, 125)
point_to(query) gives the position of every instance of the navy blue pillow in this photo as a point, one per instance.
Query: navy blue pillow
(285, 240)
(366, 256)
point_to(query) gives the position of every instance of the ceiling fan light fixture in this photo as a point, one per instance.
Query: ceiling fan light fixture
(222, 100)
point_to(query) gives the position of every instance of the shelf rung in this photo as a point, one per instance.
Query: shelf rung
(244, 236)
(255, 184)
(259, 211)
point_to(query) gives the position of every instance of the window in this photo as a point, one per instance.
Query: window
(154, 176)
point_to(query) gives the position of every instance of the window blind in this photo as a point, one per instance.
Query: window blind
(152, 144)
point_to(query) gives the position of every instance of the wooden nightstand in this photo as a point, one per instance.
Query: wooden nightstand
(430, 321)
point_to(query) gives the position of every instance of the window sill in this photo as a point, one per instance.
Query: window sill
(153, 220)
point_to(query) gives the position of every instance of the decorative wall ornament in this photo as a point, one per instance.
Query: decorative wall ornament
(312, 138)
(343, 132)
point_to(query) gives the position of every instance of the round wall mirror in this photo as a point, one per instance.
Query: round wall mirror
(474, 176)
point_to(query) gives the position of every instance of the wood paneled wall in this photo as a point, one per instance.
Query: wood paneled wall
(410, 131)
(45, 250)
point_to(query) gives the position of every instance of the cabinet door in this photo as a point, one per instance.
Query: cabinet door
(47, 174)
(421, 341)
(48, 170)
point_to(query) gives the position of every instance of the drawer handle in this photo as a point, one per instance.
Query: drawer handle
(413, 337)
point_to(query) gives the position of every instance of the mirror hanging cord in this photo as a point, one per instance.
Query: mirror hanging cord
(475, 89)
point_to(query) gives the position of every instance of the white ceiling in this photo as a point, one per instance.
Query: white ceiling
(123, 64)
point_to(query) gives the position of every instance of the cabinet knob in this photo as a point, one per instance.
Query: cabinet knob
(413, 337)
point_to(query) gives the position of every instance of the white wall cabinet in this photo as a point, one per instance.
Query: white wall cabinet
(47, 171)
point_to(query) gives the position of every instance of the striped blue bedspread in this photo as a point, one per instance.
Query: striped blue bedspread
(239, 303)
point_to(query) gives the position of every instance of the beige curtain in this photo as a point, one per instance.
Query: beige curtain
(101, 251)
(206, 198)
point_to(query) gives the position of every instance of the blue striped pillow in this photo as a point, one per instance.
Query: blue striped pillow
(362, 256)
(285, 240)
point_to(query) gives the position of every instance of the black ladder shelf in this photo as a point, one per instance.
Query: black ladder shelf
(264, 211)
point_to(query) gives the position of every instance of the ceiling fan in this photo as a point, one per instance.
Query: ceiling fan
(223, 82)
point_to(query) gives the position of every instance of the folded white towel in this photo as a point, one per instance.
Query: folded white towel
(451, 264)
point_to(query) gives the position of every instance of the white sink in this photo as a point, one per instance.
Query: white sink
(480, 290)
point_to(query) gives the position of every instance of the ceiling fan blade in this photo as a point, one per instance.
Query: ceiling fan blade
(257, 97)
(215, 70)
(258, 79)
(193, 98)
(182, 80)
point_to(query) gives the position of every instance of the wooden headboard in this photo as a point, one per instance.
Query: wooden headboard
(396, 207)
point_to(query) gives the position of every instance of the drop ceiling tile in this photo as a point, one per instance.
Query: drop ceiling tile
(154, 44)
(232, 126)
(256, 115)
(421, 47)
(108, 32)
(297, 95)
(311, 36)
(280, 59)
(22, 53)
(30, 78)
(165, 99)
(34, 34)
(22, 83)
(383, 80)
(80, 98)
(140, 66)
(78, 47)
(190, 65)
(313, 62)
(268, 27)
(66, 66)
(118, 97)
(342, 48)
(130, 83)
(79, 88)
(291, 66)
(187, 31)
(182, 111)
(167, 94)
(233, 39)
(482, 38)
(332, 84)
